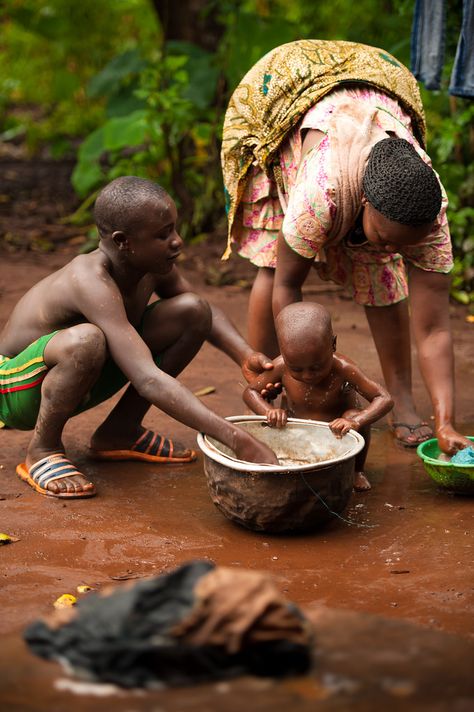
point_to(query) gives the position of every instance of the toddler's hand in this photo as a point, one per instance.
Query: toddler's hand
(277, 417)
(271, 391)
(341, 426)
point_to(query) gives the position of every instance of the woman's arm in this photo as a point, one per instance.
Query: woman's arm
(290, 274)
(429, 303)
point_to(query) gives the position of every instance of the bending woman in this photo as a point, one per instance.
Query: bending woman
(324, 165)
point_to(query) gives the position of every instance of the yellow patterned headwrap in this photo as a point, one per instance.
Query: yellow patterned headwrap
(276, 93)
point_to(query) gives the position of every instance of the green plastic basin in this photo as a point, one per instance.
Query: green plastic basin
(457, 478)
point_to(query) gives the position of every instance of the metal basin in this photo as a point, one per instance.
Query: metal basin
(313, 481)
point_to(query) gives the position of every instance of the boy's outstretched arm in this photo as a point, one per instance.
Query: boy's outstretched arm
(97, 297)
(380, 401)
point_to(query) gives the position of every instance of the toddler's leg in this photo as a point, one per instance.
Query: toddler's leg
(75, 357)
(175, 329)
(361, 483)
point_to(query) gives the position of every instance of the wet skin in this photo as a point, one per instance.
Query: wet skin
(321, 384)
(390, 326)
(97, 301)
(429, 315)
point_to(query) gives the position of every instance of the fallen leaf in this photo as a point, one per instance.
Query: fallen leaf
(470, 319)
(205, 391)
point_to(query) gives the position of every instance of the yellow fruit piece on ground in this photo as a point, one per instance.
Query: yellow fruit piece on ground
(65, 601)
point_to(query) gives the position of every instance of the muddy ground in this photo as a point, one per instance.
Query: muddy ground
(407, 554)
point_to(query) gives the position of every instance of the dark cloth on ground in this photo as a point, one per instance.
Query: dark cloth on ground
(195, 624)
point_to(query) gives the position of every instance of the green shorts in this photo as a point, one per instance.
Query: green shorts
(21, 377)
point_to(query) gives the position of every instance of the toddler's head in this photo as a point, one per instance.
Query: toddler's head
(306, 341)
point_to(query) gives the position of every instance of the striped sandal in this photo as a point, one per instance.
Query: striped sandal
(49, 469)
(149, 447)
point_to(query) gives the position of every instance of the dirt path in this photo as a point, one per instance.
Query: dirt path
(413, 562)
(407, 555)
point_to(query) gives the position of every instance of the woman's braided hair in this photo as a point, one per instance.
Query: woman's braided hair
(400, 185)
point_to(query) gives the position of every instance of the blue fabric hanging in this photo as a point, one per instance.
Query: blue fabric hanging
(462, 77)
(428, 47)
(428, 42)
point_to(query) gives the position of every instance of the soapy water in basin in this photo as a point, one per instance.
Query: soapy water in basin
(286, 461)
(287, 457)
(299, 444)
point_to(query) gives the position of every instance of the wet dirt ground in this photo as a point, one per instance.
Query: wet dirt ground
(406, 555)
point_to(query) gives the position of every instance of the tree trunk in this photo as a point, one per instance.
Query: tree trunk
(189, 20)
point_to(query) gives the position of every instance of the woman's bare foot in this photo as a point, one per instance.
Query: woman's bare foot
(361, 483)
(408, 428)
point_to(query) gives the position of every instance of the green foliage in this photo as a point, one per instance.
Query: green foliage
(451, 147)
(50, 49)
(172, 138)
(97, 78)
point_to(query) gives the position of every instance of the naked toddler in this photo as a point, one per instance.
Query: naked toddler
(319, 383)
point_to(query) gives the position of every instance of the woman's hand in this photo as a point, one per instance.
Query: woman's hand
(450, 441)
(277, 417)
(341, 426)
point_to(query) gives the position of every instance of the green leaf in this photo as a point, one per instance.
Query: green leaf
(460, 296)
(125, 131)
(124, 102)
(201, 70)
(85, 177)
(93, 146)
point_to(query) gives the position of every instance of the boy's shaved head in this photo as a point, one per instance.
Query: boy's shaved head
(304, 323)
(120, 205)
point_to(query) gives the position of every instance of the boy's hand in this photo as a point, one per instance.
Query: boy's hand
(277, 417)
(250, 449)
(256, 364)
(450, 441)
(341, 426)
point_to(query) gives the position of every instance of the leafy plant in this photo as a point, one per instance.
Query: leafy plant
(170, 135)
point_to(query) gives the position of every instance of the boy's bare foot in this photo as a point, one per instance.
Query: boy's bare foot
(361, 483)
(53, 474)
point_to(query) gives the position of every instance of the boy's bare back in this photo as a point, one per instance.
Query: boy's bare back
(58, 301)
